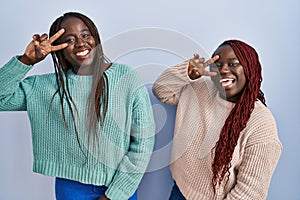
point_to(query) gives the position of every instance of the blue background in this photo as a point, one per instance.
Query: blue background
(271, 26)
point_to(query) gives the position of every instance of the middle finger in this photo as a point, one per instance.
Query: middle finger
(211, 61)
(43, 37)
(56, 35)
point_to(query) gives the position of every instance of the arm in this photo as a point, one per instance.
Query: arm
(255, 172)
(12, 89)
(133, 165)
(259, 159)
(169, 85)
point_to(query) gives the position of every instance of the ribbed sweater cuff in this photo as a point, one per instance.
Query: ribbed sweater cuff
(116, 194)
(14, 65)
(11, 74)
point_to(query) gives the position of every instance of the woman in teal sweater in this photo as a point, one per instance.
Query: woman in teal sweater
(92, 122)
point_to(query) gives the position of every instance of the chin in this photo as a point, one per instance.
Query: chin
(86, 64)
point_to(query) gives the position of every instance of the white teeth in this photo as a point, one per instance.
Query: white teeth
(82, 53)
(226, 82)
(226, 79)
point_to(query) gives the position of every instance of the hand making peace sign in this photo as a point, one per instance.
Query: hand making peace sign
(40, 47)
(197, 66)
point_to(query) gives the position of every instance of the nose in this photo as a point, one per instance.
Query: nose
(80, 43)
(223, 69)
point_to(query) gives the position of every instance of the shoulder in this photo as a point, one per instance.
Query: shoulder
(262, 115)
(118, 68)
(261, 127)
(44, 77)
(123, 74)
(39, 77)
(39, 81)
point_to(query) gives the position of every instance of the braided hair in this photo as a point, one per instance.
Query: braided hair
(240, 114)
(99, 92)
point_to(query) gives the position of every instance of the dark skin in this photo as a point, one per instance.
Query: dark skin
(80, 52)
(226, 72)
(81, 44)
(40, 46)
(103, 198)
(37, 50)
(75, 38)
(231, 78)
(197, 66)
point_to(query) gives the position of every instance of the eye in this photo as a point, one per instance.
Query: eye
(86, 35)
(233, 64)
(69, 40)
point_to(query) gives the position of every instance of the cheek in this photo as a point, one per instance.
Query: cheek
(244, 82)
(215, 80)
(92, 42)
(67, 53)
(242, 77)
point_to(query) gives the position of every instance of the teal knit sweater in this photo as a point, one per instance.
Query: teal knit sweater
(118, 159)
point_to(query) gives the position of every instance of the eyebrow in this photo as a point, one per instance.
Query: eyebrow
(85, 30)
(229, 59)
(233, 59)
(70, 34)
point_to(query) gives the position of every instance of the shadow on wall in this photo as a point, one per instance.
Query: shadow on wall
(157, 181)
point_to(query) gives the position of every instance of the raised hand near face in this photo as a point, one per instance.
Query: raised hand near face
(40, 47)
(197, 66)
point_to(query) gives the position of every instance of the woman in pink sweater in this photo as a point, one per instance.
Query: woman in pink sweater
(225, 144)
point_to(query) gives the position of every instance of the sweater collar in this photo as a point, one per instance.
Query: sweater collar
(72, 75)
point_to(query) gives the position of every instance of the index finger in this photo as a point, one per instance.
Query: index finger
(56, 35)
(211, 61)
(59, 47)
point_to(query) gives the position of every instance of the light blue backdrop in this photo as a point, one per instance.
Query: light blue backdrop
(272, 27)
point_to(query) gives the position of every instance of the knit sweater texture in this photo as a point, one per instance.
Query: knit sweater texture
(119, 157)
(201, 114)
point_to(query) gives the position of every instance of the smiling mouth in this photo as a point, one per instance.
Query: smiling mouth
(82, 53)
(226, 82)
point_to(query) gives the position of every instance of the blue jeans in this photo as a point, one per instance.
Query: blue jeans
(176, 194)
(73, 190)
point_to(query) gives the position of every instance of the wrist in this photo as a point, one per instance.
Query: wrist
(25, 60)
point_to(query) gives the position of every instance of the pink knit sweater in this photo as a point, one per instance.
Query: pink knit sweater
(201, 114)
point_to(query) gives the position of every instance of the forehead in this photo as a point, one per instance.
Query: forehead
(70, 23)
(225, 51)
